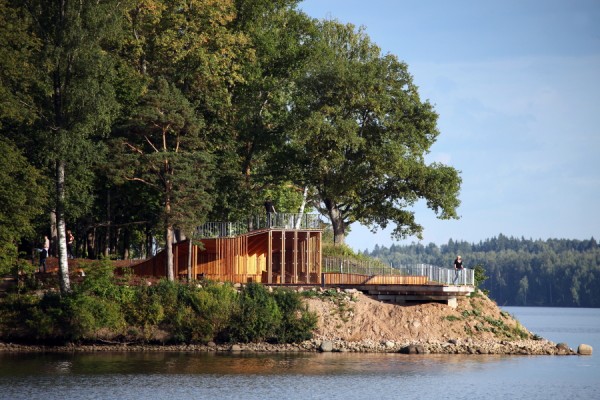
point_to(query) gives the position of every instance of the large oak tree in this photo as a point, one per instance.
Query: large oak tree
(360, 136)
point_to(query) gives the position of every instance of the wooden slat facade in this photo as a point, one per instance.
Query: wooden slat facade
(269, 256)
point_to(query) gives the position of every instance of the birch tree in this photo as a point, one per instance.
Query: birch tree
(71, 92)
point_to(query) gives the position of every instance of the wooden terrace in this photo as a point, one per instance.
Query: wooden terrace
(287, 251)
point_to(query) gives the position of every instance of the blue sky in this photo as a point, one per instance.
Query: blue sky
(517, 86)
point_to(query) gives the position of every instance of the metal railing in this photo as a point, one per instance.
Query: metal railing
(273, 221)
(446, 276)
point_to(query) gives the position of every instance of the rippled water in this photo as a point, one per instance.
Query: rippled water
(320, 376)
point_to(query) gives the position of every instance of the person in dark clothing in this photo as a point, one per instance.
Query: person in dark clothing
(44, 254)
(458, 263)
(458, 266)
(70, 240)
(270, 209)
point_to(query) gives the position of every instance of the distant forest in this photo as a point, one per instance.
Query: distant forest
(521, 272)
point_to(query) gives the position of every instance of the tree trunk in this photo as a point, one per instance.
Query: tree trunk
(63, 262)
(180, 235)
(91, 244)
(170, 232)
(301, 211)
(53, 233)
(148, 242)
(337, 223)
(126, 244)
(169, 244)
(107, 232)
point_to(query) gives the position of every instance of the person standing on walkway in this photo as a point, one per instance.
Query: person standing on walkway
(458, 266)
(270, 209)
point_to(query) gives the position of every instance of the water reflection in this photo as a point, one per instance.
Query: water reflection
(310, 364)
(291, 376)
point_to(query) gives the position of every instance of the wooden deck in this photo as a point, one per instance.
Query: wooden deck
(290, 257)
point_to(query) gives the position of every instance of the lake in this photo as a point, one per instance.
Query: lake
(320, 376)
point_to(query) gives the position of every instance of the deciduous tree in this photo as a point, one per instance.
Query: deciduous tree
(72, 93)
(23, 196)
(360, 137)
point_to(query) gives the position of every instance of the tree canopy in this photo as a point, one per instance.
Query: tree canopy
(360, 134)
(148, 117)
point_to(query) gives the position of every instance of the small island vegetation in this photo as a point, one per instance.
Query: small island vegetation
(104, 308)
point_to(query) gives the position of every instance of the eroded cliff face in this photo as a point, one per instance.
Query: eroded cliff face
(356, 317)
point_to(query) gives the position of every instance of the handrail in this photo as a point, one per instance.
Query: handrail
(446, 276)
(272, 221)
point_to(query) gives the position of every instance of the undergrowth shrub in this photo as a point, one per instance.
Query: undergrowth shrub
(103, 306)
(297, 322)
(216, 305)
(257, 317)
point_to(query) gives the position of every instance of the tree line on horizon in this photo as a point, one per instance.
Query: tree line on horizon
(519, 271)
(132, 122)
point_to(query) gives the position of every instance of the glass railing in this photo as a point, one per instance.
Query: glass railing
(272, 221)
(446, 276)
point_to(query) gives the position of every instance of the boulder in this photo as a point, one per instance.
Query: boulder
(412, 349)
(584, 350)
(562, 348)
(326, 346)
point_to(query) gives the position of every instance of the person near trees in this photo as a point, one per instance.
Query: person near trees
(70, 240)
(270, 209)
(458, 264)
(44, 254)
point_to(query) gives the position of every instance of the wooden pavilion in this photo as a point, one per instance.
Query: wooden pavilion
(285, 250)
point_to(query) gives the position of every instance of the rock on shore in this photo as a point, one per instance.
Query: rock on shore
(526, 347)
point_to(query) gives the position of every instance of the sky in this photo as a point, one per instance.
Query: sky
(516, 84)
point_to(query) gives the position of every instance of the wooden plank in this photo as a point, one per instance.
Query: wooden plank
(270, 258)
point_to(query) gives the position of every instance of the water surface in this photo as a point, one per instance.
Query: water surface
(320, 376)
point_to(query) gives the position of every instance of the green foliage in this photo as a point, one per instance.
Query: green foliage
(257, 317)
(297, 323)
(103, 307)
(87, 314)
(22, 198)
(143, 310)
(451, 318)
(359, 133)
(212, 121)
(341, 250)
(480, 277)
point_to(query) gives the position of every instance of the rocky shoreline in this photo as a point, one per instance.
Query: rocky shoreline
(468, 346)
(356, 323)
